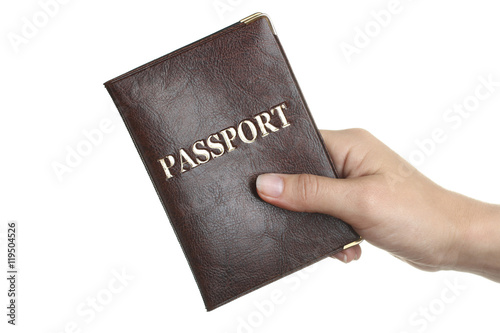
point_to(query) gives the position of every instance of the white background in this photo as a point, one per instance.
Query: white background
(104, 217)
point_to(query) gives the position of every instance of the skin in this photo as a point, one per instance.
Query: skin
(394, 207)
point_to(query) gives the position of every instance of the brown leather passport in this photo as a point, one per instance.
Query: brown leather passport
(206, 120)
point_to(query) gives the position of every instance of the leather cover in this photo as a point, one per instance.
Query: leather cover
(234, 241)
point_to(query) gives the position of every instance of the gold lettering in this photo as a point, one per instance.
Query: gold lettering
(166, 168)
(201, 152)
(184, 158)
(241, 133)
(265, 124)
(215, 145)
(281, 114)
(228, 139)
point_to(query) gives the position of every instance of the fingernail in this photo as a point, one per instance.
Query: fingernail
(341, 256)
(270, 185)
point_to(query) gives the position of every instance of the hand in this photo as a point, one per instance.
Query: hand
(394, 207)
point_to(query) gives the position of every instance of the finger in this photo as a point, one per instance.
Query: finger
(346, 147)
(338, 143)
(315, 194)
(356, 152)
(348, 255)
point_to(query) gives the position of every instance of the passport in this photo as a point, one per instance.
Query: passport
(206, 120)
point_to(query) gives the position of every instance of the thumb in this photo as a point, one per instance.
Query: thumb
(310, 193)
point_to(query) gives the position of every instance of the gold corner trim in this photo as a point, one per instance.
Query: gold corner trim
(353, 243)
(253, 17)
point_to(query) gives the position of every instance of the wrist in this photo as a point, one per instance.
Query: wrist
(477, 245)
